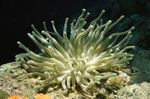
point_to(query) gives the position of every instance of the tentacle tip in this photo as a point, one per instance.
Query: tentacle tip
(132, 27)
(83, 10)
(32, 32)
(129, 32)
(122, 16)
(52, 21)
(91, 26)
(88, 13)
(28, 34)
(103, 11)
(18, 42)
(32, 25)
(134, 47)
(110, 21)
(44, 22)
(42, 31)
(67, 18)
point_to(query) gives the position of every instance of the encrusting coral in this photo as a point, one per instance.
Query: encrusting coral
(81, 59)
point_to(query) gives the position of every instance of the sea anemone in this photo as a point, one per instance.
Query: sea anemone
(83, 57)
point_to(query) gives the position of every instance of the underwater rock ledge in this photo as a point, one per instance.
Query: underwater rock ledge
(11, 86)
